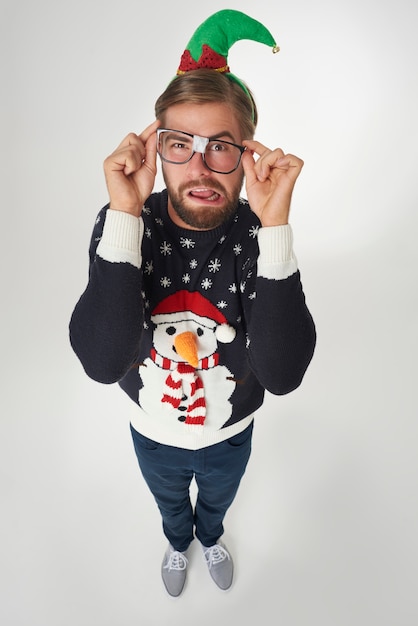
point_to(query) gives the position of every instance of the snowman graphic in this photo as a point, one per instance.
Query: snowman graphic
(183, 381)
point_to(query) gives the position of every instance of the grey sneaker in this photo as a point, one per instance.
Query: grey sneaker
(173, 571)
(220, 565)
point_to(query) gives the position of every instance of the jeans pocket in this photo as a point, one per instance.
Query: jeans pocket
(241, 438)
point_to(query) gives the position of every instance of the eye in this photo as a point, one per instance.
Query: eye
(218, 146)
(171, 330)
(200, 332)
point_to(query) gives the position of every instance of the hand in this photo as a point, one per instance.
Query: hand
(131, 169)
(270, 181)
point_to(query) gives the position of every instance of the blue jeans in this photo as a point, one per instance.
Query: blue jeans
(168, 472)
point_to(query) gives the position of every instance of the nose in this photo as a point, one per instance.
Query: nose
(186, 347)
(196, 167)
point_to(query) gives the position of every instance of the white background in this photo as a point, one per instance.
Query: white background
(324, 529)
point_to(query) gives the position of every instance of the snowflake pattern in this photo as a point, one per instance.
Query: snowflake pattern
(186, 242)
(166, 248)
(206, 283)
(165, 282)
(214, 265)
(229, 280)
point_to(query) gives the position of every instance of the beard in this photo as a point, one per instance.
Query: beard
(204, 217)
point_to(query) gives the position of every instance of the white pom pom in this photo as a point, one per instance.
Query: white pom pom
(225, 333)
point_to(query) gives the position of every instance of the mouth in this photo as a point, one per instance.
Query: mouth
(205, 194)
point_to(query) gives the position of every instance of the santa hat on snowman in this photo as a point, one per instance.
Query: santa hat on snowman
(191, 305)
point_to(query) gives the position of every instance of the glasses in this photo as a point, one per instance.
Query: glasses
(219, 156)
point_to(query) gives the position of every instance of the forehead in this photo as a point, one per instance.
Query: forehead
(206, 119)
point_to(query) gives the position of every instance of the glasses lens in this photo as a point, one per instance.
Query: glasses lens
(222, 156)
(175, 146)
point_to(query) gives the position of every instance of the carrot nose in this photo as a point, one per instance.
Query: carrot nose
(186, 347)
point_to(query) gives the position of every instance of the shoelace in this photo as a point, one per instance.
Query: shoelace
(215, 554)
(176, 561)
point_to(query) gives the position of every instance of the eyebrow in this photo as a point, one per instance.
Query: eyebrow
(224, 133)
(176, 133)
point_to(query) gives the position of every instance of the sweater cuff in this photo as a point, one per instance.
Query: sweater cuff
(121, 238)
(276, 259)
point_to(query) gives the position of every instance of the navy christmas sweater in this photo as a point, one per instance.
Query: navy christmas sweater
(193, 325)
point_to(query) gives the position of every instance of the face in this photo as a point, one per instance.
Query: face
(198, 198)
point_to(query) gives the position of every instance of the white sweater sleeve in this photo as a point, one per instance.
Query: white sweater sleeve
(276, 260)
(121, 238)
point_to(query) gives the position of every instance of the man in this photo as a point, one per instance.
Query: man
(194, 303)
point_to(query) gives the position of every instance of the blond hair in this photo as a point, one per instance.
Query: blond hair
(204, 86)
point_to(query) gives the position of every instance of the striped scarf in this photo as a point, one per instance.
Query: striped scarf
(182, 374)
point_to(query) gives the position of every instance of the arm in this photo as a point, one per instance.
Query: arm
(281, 330)
(106, 325)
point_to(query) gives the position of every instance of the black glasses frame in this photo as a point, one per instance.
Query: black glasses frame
(242, 149)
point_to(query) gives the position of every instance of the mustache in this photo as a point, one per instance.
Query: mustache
(205, 184)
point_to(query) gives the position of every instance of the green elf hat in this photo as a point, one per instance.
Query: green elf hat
(210, 44)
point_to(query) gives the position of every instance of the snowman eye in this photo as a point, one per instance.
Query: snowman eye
(171, 330)
(200, 332)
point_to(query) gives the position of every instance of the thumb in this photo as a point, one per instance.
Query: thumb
(248, 164)
(151, 152)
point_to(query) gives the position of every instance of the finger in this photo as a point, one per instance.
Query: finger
(255, 146)
(150, 130)
(151, 151)
(276, 159)
(149, 139)
(130, 140)
(266, 160)
(126, 159)
(132, 152)
(291, 164)
(248, 164)
(139, 140)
